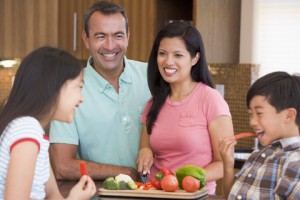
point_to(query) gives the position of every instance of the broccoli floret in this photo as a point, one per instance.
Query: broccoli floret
(111, 184)
(123, 185)
(132, 185)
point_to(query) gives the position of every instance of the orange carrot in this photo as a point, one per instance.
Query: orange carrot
(243, 135)
(83, 170)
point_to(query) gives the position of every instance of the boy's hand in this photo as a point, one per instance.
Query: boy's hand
(226, 149)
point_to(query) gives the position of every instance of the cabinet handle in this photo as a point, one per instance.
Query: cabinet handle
(74, 31)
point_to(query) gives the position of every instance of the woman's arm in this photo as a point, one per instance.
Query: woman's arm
(219, 128)
(145, 156)
(20, 170)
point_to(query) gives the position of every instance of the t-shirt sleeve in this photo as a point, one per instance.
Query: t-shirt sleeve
(24, 130)
(146, 111)
(214, 105)
(61, 132)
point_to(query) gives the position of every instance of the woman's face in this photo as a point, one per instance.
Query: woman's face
(69, 99)
(174, 61)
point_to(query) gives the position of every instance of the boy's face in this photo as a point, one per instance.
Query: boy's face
(266, 122)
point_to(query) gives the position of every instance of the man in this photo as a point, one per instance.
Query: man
(106, 129)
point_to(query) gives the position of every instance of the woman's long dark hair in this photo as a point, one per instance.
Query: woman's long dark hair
(159, 88)
(37, 84)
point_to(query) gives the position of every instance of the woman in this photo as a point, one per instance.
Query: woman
(186, 115)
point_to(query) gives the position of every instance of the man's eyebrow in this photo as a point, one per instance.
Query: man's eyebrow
(99, 33)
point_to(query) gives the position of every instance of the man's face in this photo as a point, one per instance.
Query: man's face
(107, 41)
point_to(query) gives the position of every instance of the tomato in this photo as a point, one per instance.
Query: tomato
(169, 183)
(166, 171)
(156, 183)
(190, 184)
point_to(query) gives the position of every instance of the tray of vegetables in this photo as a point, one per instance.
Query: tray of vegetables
(187, 183)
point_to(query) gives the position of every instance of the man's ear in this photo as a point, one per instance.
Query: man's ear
(85, 39)
(195, 59)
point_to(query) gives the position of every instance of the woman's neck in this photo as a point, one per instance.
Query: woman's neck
(181, 91)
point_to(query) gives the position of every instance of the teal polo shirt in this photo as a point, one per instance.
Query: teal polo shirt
(107, 125)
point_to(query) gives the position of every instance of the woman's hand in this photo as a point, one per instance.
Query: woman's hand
(84, 189)
(144, 160)
(226, 149)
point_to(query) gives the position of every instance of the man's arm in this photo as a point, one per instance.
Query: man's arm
(66, 165)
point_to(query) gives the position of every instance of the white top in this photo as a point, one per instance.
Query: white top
(19, 130)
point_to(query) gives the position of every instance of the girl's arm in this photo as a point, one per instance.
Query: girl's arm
(52, 191)
(219, 128)
(145, 156)
(20, 170)
(83, 190)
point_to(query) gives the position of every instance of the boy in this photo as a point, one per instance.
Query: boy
(273, 171)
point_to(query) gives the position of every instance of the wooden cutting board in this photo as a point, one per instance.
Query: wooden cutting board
(159, 194)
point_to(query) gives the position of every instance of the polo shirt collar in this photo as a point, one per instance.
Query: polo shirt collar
(99, 82)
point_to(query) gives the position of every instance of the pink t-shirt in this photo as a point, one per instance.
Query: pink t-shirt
(180, 134)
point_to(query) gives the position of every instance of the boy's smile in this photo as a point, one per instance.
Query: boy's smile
(268, 124)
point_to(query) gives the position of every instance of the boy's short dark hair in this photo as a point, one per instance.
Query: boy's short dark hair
(281, 89)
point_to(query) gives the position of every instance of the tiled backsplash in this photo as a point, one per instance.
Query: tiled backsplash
(6, 76)
(236, 78)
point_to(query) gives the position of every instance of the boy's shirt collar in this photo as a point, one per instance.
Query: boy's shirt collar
(288, 144)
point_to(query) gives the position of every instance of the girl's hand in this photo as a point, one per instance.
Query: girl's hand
(84, 189)
(226, 149)
(144, 160)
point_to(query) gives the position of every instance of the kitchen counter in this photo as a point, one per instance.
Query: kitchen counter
(65, 187)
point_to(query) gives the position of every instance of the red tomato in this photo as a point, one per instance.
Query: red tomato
(169, 183)
(166, 171)
(190, 184)
(156, 183)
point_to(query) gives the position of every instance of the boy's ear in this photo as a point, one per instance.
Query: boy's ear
(291, 114)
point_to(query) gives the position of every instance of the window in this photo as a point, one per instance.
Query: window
(279, 36)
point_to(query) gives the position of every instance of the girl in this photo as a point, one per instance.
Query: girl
(47, 87)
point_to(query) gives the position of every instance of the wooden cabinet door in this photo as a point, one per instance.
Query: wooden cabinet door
(142, 25)
(70, 26)
(26, 25)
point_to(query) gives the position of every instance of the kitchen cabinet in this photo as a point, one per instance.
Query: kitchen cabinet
(219, 24)
(141, 23)
(145, 18)
(26, 25)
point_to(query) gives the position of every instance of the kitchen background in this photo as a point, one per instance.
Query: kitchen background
(28, 24)
(226, 26)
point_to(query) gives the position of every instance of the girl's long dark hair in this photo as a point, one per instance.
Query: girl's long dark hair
(37, 84)
(159, 88)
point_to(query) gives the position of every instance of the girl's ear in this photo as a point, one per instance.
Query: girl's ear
(195, 59)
